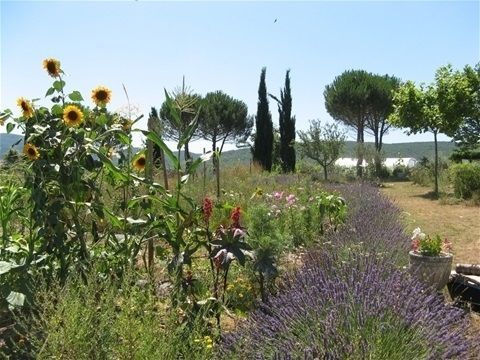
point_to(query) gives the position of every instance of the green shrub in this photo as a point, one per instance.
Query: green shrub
(465, 179)
(105, 319)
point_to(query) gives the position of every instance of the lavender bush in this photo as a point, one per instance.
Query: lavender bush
(351, 301)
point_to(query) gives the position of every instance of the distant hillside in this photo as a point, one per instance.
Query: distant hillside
(7, 141)
(416, 149)
(243, 156)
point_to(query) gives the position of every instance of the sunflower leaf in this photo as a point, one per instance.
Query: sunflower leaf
(10, 127)
(50, 91)
(75, 96)
(57, 110)
(58, 85)
(101, 120)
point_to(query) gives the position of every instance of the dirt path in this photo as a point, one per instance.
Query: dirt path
(459, 223)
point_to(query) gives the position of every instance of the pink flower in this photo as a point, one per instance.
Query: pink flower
(238, 232)
(291, 199)
(278, 195)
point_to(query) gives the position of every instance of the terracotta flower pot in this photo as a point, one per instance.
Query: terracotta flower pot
(431, 270)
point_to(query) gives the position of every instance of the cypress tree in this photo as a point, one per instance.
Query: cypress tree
(263, 145)
(287, 127)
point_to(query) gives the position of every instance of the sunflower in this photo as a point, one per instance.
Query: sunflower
(31, 151)
(52, 66)
(101, 95)
(139, 162)
(72, 116)
(26, 107)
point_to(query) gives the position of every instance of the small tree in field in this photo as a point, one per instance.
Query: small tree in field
(323, 144)
(440, 107)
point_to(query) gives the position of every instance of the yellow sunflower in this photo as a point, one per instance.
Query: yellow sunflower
(72, 116)
(139, 162)
(52, 66)
(101, 95)
(31, 151)
(26, 107)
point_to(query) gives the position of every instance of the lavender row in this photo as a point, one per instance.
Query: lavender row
(351, 299)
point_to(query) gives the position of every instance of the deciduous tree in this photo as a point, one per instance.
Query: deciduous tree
(440, 107)
(322, 143)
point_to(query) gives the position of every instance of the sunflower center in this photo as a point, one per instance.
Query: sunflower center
(101, 95)
(72, 115)
(51, 67)
(31, 152)
(24, 106)
(141, 161)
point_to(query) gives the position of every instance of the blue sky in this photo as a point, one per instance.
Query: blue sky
(150, 45)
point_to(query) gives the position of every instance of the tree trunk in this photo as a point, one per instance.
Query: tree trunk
(360, 152)
(436, 163)
(325, 172)
(217, 173)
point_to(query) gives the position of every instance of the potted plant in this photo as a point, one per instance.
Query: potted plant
(430, 259)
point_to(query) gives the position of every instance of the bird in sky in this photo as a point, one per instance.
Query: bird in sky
(275, 21)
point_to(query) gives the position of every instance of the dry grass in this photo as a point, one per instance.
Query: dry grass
(460, 223)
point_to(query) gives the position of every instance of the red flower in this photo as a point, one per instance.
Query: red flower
(235, 217)
(207, 209)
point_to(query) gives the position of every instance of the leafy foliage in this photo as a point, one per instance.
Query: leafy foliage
(465, 179)
(322, 143)
(440, 107)
(224, 119)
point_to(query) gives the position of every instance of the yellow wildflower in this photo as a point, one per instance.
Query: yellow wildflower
(31, 151)
(72, 116)
(26, 106)
(101, 95)
(52, 66)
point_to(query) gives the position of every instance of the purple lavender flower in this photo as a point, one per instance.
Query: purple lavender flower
(352, 300)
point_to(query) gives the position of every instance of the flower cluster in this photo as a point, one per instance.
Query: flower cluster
(206, 341)
(72, 114)
(429, 246)
(207, 209)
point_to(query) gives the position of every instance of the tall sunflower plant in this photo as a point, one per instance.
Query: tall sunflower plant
(69, 147)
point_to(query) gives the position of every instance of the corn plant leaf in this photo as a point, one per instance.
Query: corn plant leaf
(5, 267)
(158, 141)
(15, 299)
(110, 166)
